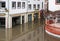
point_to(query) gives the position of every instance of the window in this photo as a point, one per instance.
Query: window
(23, 5)
(19, 4)
(13, 4)
(29, 6)
(57, 1)
(2, 4)
(38, 6)
(34, 6)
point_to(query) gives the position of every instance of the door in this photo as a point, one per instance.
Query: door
(30, 18)
(22, 19)
(35, 16)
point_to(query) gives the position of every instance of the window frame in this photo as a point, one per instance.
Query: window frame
(29, 6)
(19, 5)
(1, 4)
(14, 6)
(23, 5)
(38, 6)
(34, 7)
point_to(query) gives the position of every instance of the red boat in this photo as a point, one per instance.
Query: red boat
(52, 28)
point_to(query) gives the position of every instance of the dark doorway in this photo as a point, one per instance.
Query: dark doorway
(15, 21)
(35, 16)
(30, 18)
(22, 19)
(2, 21)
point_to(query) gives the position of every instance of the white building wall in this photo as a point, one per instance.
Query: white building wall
(6, 2)
(34, 2)
(53, 6)
(2, 10)
(17, 10)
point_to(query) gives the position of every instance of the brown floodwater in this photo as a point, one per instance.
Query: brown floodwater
(32, 31)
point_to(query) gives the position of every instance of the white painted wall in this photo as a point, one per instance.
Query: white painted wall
(34, 2)
(53, 6)
(2, 10)
(18, 11)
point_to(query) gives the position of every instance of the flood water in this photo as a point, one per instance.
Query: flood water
(32, 31)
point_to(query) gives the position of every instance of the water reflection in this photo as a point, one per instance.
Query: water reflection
(32, 31)
(25, 32)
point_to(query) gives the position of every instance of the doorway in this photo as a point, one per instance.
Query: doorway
(30, 18)
(35, 16)
(2, 22)
(22, 19)
(15, 20)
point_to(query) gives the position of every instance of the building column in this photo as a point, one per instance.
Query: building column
(21, 20)
(25, 18)
(39, 15)
(8, 21)
(32, 16)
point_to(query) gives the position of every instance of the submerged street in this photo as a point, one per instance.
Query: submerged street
(32, 31)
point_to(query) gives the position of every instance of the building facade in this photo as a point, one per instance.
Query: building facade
(14, 12)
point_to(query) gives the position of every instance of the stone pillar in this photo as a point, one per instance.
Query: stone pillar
(8, 21)
(21, 20)
(39, 15)
(32, 16)
(25, 18)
